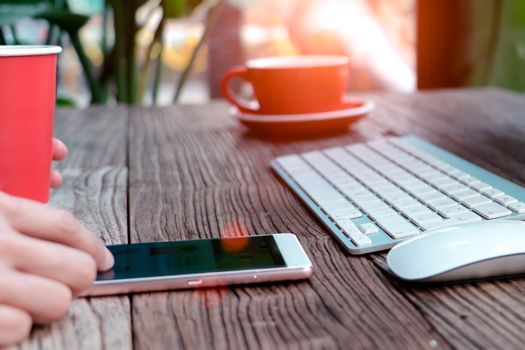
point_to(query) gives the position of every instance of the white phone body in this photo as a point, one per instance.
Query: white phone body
(297, 266)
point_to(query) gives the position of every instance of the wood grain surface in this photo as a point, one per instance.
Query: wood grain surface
(95, 190)
(193, 172)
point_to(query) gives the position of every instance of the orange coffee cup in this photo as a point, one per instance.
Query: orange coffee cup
(290, 84)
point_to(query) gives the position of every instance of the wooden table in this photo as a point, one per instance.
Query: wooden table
(139, 175)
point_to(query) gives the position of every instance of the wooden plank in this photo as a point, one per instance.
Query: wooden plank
(195, 173)
(95, 190)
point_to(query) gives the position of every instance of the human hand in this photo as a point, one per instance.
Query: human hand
(59, 153)
(46, 257)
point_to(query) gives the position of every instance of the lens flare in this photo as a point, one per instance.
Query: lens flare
(238, 229)
(214, 297)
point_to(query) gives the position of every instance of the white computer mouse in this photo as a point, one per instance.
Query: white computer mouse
(464, 252)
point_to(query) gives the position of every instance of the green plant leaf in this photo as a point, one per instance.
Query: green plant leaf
(71, 23)
(173, 8)
(66, 20)
(179, 8)
(65, 102)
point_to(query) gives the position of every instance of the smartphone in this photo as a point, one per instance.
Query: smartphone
(157, 266)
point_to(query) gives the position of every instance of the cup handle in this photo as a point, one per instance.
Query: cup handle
(243, 106)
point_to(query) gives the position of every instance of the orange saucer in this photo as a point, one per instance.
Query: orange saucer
(350, 112)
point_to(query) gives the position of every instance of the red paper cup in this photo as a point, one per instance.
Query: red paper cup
(27, 102)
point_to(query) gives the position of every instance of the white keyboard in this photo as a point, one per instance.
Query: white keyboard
(372, 195)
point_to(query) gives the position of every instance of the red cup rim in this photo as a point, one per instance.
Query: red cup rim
(28, 50)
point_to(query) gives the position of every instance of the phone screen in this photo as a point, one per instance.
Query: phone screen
(192, 257)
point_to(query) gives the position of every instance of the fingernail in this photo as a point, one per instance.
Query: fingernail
(110, 260)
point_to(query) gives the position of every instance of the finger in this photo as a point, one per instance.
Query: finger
(56, 179)
(74, 268)
(15, 325)
(59, 150)
(45, 300)
(56, 225)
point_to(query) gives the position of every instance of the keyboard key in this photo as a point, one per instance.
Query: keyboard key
(368, 206)
(328, 196)
(479, 186)
(292, 162)
(441, 181)
(363, 201)
(357, 237)
(340, 204)
(445, 223)
(423, 219)
(341, 181)
(518, 207)
(470, 193)
(437, 224)
(421, 190)
(453, 210)
(454, 188)
(493, 193)
(390, 190)
(311, 180)
(413, 211)
(394, 171)
(403, 179)
(434, 173)
(397, 226)
(505, 200)
(349, 185)
(356, 191)
(442, 166)
(321, 192)
(492, 211)
(364, 198)
(406, 203)
(465, 217)
(457, 220)
(396, 197)
(347, 213)
(410, 182)
(378, 183)
(470, 181)
(430, 196)
(361, 240)
(345, 223)
(378, 213)
(368, 229)
(441, 203)
(457, 174)
(422, 170)
(473, 202)
(429, 173)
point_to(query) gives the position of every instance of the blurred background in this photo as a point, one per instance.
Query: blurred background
(146, 52)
